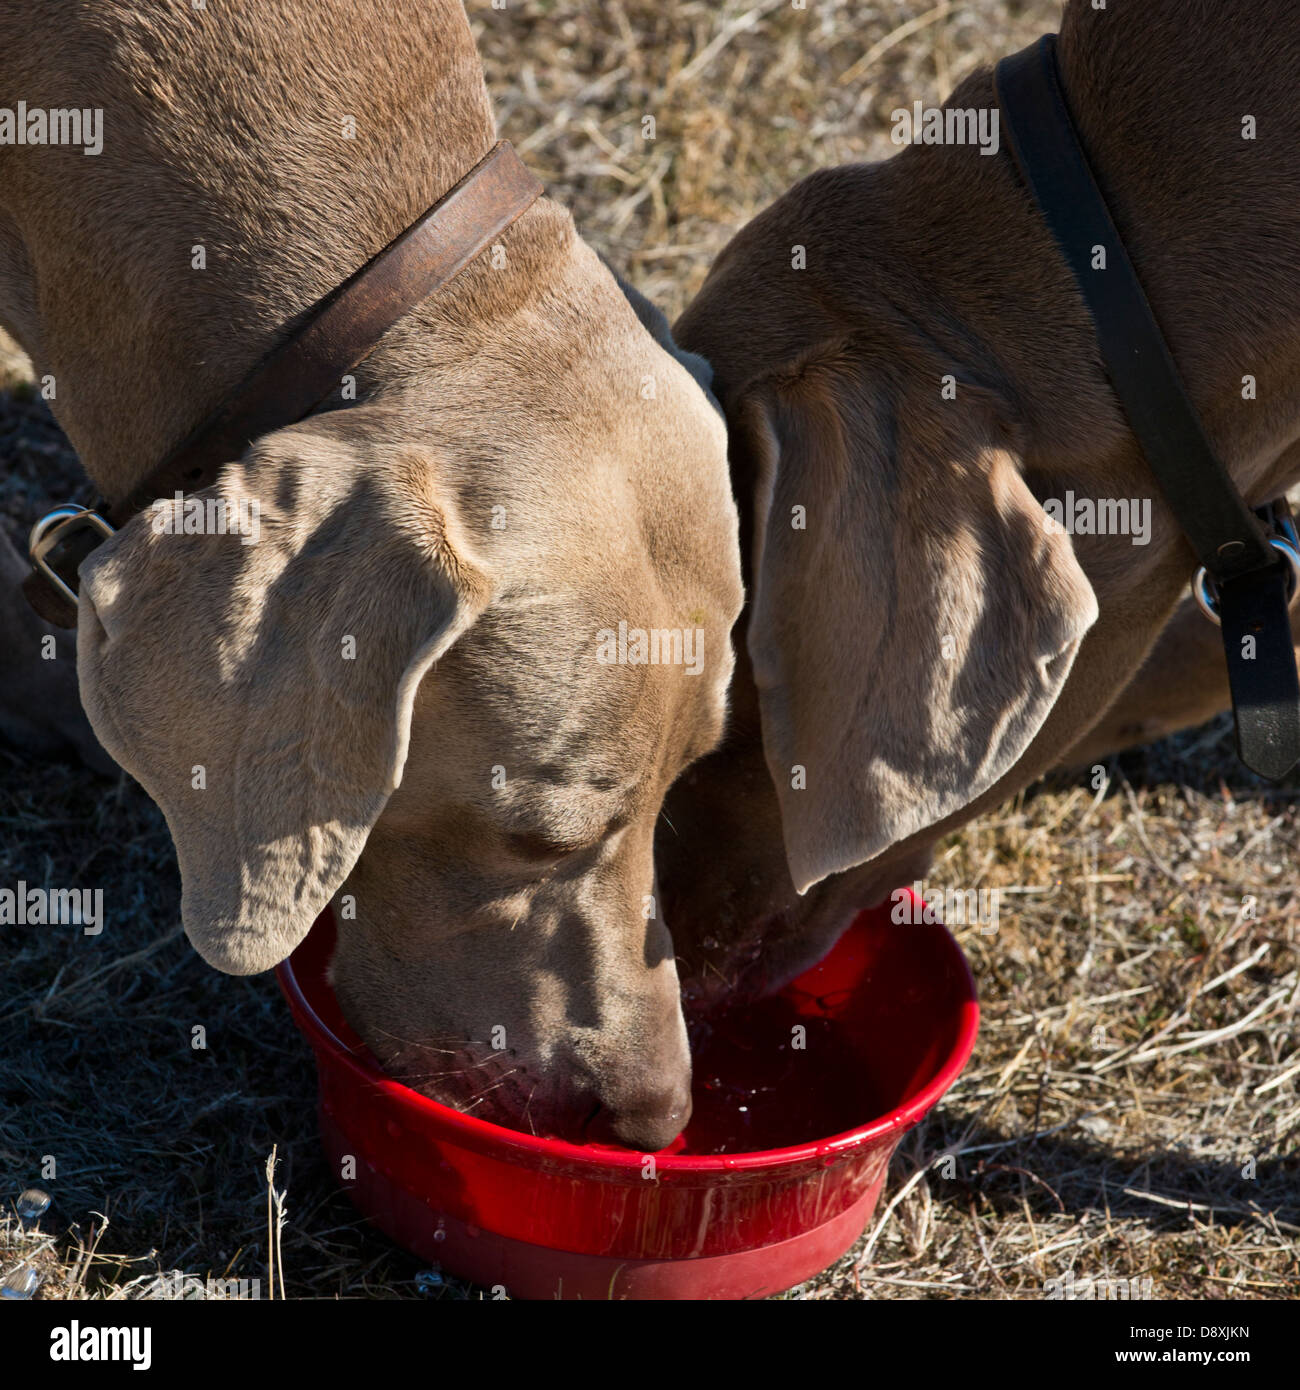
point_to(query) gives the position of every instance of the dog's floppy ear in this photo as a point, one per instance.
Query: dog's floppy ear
(913, 618)
(262, 692)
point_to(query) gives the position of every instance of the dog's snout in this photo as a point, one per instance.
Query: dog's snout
(652, 1124)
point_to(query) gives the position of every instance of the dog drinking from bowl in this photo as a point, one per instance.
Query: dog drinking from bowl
(393, 699)
(911, 376)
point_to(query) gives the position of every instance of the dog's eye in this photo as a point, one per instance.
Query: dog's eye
(547, 848)
(542, 847)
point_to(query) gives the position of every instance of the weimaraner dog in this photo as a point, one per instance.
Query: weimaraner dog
(918, 644)
(404, 696)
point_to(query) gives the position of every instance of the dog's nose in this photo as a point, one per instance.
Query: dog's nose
(651, 1126)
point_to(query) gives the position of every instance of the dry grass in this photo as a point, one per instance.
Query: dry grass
(747, 97)
(1139, 1044)
(1131, 1110)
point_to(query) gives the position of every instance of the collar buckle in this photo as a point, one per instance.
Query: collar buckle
(1280, 529)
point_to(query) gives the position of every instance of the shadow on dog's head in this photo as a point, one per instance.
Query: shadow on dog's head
(447, 686)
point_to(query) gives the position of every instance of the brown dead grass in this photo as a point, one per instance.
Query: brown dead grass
(1138, 1053)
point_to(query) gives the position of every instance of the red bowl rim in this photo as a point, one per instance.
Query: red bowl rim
(490, 1138)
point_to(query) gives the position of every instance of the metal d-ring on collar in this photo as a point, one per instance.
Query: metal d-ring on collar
(54, 529)
(1287, 544)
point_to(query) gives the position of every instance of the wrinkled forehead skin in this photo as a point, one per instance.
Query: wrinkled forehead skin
(601, 664)
(601, 511)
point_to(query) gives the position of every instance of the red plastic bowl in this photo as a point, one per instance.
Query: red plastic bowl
(548, 1219)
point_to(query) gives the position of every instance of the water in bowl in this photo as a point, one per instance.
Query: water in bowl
(761, 1084)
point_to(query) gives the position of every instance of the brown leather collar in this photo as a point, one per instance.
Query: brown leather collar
(341, 331)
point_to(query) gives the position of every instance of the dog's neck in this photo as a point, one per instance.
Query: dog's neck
(935, 264)
(1197, 207)
(1205, 214)
(238, 185)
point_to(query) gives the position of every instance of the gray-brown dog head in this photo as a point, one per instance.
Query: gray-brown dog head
(911, 627)
(913, 620)
(447, 687)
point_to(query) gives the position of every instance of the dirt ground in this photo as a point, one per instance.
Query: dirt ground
(1131, 1111)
